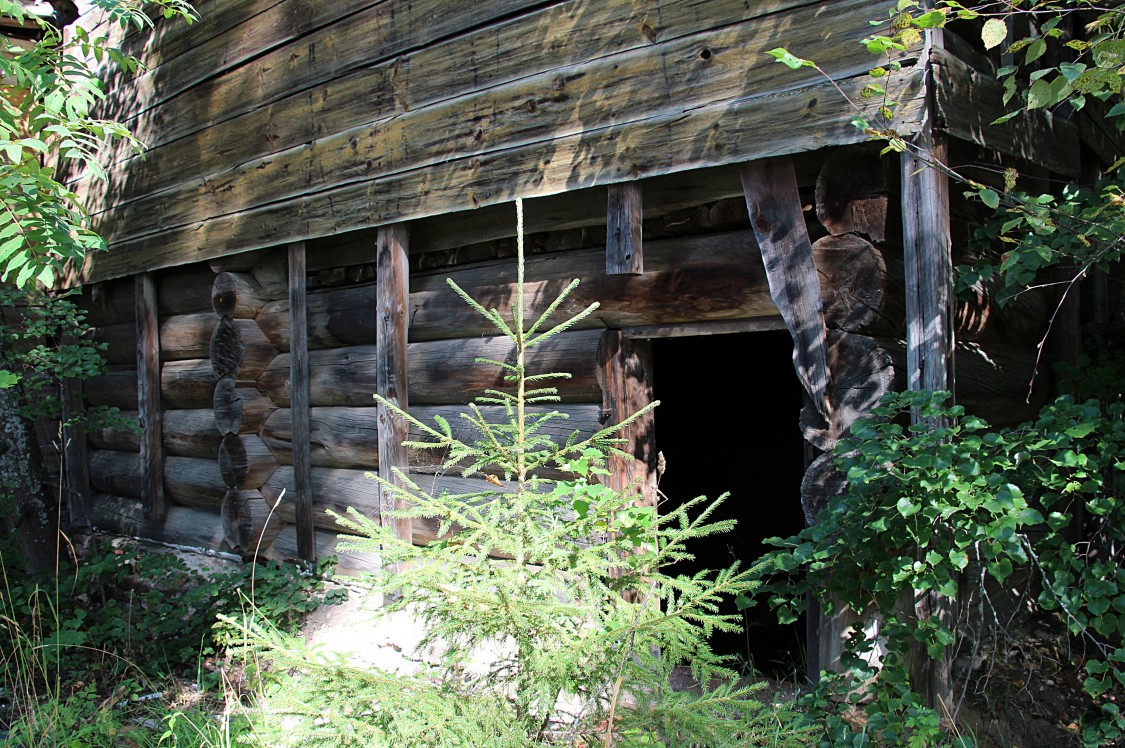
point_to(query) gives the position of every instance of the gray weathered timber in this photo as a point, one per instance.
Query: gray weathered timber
(928, 260)
(299, 398)
(711, 277)
(348, 436)
(149, 396)
(775, 212)
(968, 101)
(626, 375)
(727, 132)
(624, 253)
(623, 90)
(392, 302)
(440, 372)
(243, 125)
(118, 473)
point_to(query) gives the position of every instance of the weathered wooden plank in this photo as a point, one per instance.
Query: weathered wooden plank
(617, 89)
(929, 268)
(625, 373)
(967, 102)
(440, 372)
(149, 396)
(687, 279)
(775, 212)
(756, 127)
(299, 396)
(193, 59)
(927, 254)
(624, 253)
(392, 304)
(392, 84)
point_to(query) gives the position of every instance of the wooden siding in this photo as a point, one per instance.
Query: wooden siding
(373, 113)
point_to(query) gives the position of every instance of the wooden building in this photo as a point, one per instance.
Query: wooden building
(317, 169)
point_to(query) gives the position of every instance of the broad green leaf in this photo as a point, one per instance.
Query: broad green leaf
(785, 57)
(993, 33)
(989, 197)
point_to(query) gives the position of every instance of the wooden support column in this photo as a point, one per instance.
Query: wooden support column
(392, 302)
(779, 225)
(929, 353)
(148, 397)
(299, 398)
(623, 251)
(625, 374)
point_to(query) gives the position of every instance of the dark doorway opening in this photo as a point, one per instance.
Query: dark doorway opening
(728, 422)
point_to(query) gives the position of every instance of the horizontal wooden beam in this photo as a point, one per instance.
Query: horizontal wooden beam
(727, 132)
(967, 102)
(614, 90)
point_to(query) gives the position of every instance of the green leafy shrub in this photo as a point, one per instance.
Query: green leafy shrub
(546, 603)
(146, 607)
(924, 503)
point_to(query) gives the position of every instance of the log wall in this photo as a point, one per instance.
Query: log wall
(268, 123)
(227, 423)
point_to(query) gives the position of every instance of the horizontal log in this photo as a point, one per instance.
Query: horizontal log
(181, 337)
(858, 292)
(117, 473)
(613, 88)
(120, 439)
(177, 293)
(733, 131)
(238, 128)
(182, 525)
(686, 279)
(337, 489)
(187, 384)
(348, 562)
(115, 388)
(440, 372)
(968, 102)
(192, 481)
(348, 437)
(191, 433)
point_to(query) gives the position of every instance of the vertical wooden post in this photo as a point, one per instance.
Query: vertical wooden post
(624, 254)
(929, 352)
(299, 398)
(775, 211)
(148, 397)
(625, 373)
(392, 302)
